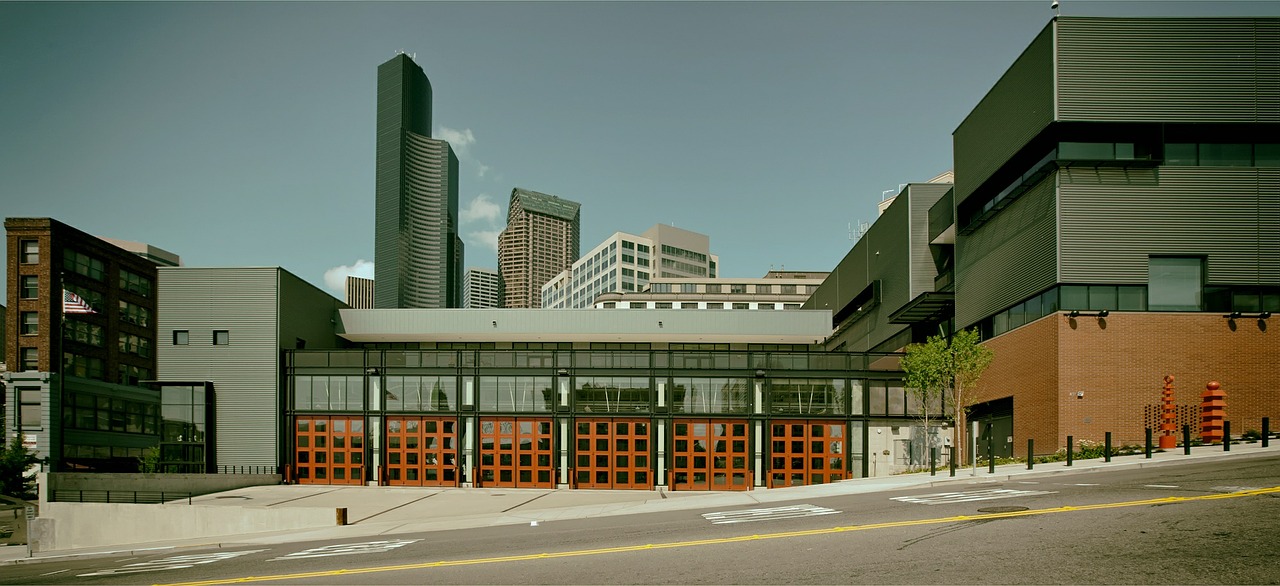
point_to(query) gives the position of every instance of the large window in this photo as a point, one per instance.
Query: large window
(30, 359)
(711, 395)
(30, 323)
(29, 407)
(1175, 283)
(30, 252)
(421, 393)
(83, 264)
(807, 396)
(611, 394)
(29, 287)
(135, 283)
(516, 393)
(328, 393)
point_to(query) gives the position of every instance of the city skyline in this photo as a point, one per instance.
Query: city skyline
(242, 134)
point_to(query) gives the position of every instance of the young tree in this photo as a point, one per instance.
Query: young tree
(15, 460)
(952, 368)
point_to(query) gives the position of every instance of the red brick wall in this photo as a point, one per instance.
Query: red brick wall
(1119, 364)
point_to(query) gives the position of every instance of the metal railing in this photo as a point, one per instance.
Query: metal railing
(149, 497)
(247, 470)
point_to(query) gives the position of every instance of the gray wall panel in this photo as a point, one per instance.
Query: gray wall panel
(1113, 219)
(1169, 70)
(245, 372)
(1009, 258)
(1016, 109)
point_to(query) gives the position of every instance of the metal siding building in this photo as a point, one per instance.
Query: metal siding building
(262, 310)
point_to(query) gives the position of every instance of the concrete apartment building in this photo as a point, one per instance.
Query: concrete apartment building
(776, 290)
(541, 240)
(417, 251)
(626, 263)
(479, 289)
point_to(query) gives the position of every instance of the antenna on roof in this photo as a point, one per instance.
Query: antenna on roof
(1054, 6)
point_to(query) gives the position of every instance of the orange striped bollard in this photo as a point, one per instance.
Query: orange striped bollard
(1213, 411)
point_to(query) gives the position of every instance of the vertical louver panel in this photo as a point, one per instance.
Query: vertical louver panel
(1114, 219)
(1169, 70)
(1009, 258)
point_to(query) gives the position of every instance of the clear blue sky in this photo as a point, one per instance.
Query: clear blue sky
(242, 133)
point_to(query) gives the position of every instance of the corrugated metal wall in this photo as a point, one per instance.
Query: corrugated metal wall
(245, 372)
(1016, 109)
(1169, 70)
(1113, 219)
(1009, 258)
(923, 271)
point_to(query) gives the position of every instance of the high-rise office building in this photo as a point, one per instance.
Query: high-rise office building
(359, 292)
(540, 241)
(417, 251)
(625, 263)
(480, 289)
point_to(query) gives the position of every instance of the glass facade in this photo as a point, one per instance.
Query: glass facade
(689, 417)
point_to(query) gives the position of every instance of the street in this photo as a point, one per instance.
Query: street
(1212, 522)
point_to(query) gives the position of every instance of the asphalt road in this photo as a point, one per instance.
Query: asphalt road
(1203, 523)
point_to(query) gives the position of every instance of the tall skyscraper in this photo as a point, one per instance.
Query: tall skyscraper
(541, 239)
(417, 251)
(480, 289)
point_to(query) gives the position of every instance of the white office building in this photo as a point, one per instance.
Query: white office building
(626, 263)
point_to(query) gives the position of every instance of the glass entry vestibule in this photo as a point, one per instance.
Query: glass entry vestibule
(609, 421)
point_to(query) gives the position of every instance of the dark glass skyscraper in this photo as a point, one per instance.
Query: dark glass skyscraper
(417, 252)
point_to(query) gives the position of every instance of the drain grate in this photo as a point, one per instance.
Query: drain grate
(1001, 509)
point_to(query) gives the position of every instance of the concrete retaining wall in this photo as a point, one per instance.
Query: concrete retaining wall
(195, 484)
(80, 525)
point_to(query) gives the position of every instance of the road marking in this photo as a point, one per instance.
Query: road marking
(1086, 484)
(172, 563)
(943, 498)
(726, 540)
(346, 549)
(1160, 486)
(1233, 488)
(771, 514)
(57, 572)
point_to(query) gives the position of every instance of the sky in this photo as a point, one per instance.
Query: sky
(242, 133)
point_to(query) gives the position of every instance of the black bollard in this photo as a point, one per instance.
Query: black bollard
(1148, 443)
(1186, 440)
(933, 461)
(951, 458)
(1070, 449)
(1106, 448)
(1266, 430)
(991, 450)
(1031, 453)
(1226, 436)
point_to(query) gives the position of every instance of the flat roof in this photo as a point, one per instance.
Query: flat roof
(584, 325)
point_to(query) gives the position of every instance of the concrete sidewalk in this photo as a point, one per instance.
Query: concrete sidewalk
(383, 511)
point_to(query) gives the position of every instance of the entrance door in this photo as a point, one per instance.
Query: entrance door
(516, 453)
(710, 455)
(422, 451)
(612, 453)
(329, 450)
(806, 452)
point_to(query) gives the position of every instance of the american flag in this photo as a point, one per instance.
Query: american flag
(72, 303)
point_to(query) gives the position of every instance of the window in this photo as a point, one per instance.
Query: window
(788, 289)
(135, 283)
(688, 287)
(1226, 155)
(714, 305)
(30, 252)
(662, 305)
(30, 359)
(1174, 283)
(83, 264)
(30, 287)
(737, 288)
(765, 306)
(741, 305)
(765, 289)
(29, 407)
(688, 305)
(181, 337)
(221, 337)
(30, 323)
(713, 287)
(628, 245)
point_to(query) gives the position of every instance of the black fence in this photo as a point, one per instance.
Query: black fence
(149, 497)
(247, 470)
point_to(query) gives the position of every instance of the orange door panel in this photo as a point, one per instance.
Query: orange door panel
(422, 451)
(710, 454)
(806, 452)
(516, 453)
(329, 450)
(612, 453)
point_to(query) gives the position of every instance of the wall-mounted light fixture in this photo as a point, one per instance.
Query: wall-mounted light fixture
(659, 324)
(495, 323)
(563, 372)
(1100, 313)
(760, 373)
(372, 371)
(1240, 314)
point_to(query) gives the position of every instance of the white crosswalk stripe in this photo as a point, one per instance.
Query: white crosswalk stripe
(968, 496)
(770, 514)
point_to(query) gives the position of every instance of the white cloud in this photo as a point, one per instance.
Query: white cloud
(486, 238)
(460, 140)
(481, 208)
(336, 278)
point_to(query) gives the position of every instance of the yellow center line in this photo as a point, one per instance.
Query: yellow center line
(726, 540)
